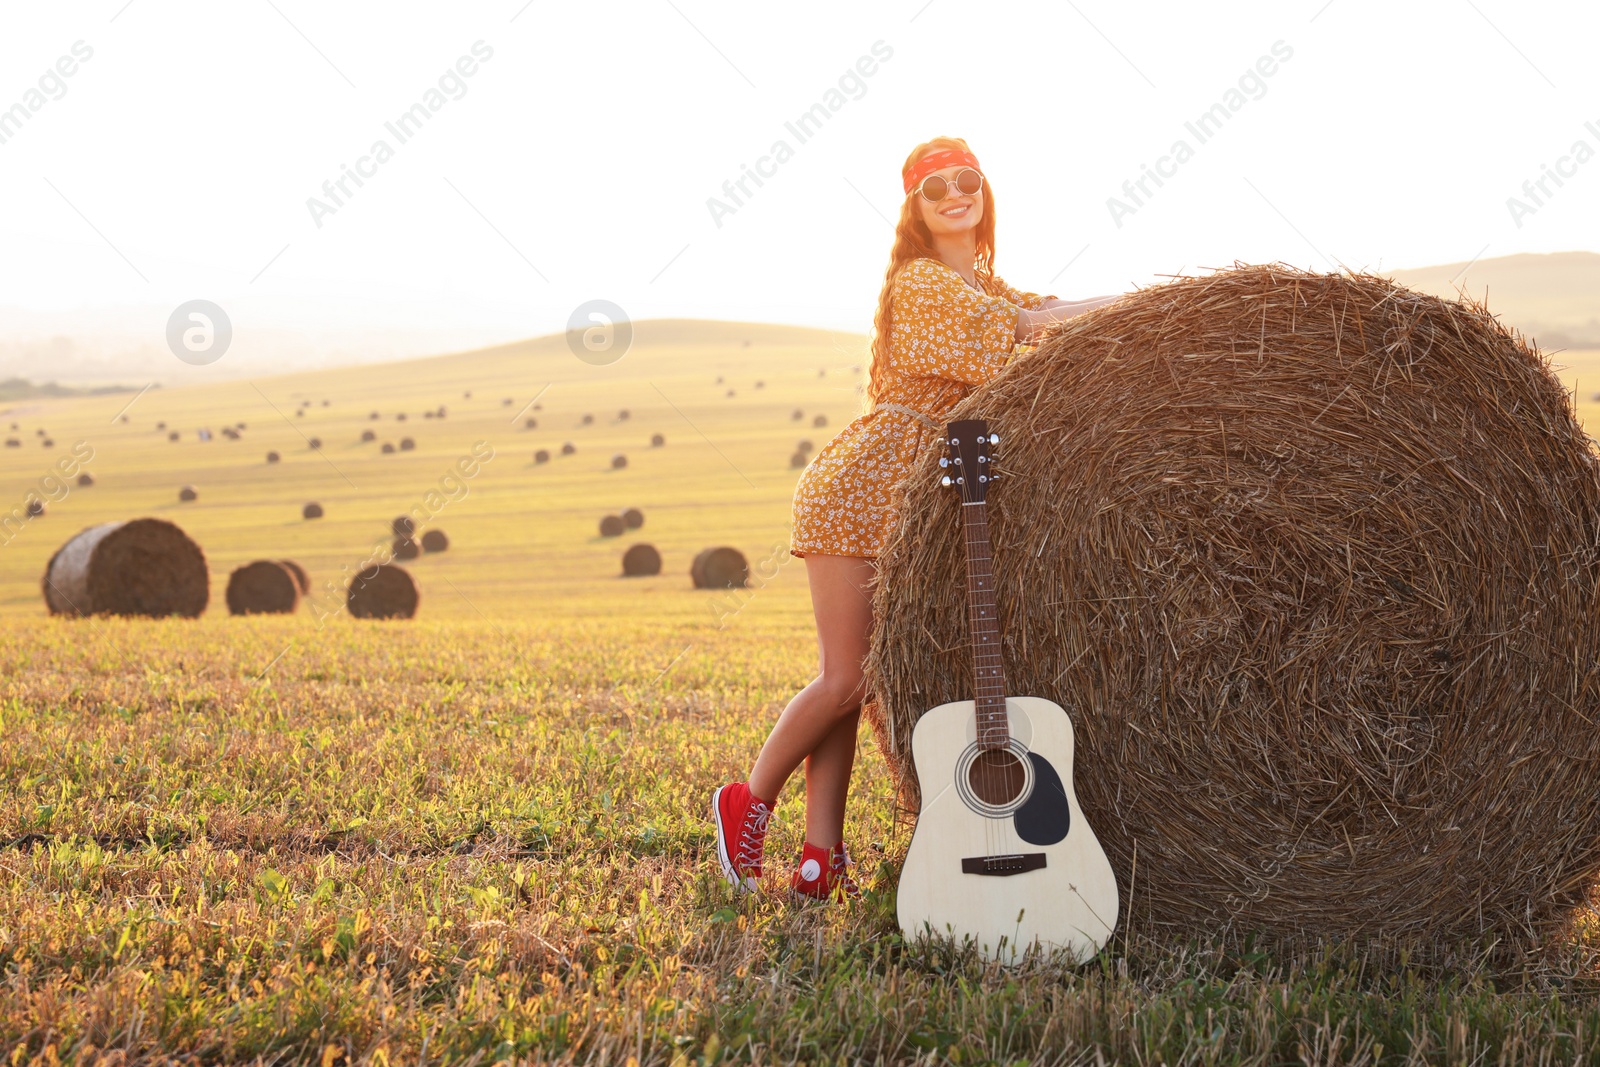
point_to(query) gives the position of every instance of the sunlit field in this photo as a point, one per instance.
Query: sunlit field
(480, 835)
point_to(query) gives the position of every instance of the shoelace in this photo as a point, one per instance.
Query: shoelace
(754, 836)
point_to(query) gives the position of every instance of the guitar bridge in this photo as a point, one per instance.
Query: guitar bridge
(1000, 866)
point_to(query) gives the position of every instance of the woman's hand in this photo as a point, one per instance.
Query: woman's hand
(1032, 324)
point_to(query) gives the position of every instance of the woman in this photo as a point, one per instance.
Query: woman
(945, 323)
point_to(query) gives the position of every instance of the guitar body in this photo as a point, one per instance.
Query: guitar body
(1001, 853)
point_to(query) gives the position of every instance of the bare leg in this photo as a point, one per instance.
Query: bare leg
(819, 725)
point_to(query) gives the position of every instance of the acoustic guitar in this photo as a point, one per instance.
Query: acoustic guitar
(1001, 853)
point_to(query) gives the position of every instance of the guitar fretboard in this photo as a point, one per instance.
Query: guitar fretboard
(988, 671)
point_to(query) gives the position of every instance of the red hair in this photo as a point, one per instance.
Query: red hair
(913, 241)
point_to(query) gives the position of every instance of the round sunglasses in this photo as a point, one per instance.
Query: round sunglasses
(967, 182)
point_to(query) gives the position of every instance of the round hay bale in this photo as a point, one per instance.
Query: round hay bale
(405, 548)
(632, 518)
(797, 461)
(530, 423)
(138, 567)
(797, 415)
(39, 432)
(719, 379)
(265, 587)
(382, 592)
(640, 561)
(568, 448)
(1312, 562)
(612, 526)
(721, 567)
(427, 414)
(657, 440)
(325, 403)
(273, 457)
(48, 443)
(624, 415)
(315, 442)
(588, 419)
(388, 447)
(403, 526)
(820, 421)
(374, 416)
(542, 456)
(400, 417)
(407, 444)
(506, 402)
(440, 413)
(159, 426)
(618, 461)
(302, 580)
(732, 393)
(12, 442)
(312, 510)
(368, 435)
(173, 436)
(35, 507)
(85, 479)
(803, 445)
(435, 541)
(188, 493)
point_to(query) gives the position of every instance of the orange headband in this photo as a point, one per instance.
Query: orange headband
(933, 161)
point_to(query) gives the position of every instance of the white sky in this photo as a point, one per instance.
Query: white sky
(586, 148)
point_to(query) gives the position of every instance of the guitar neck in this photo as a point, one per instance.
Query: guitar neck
(988, 671)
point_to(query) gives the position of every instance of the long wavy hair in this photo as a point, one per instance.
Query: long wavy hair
(913, 241)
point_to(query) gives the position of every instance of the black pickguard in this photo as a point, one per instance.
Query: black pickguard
(1046, 817)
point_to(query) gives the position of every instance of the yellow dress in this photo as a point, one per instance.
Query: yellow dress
(944, 338)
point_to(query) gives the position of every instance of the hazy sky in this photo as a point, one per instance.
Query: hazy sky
(577, 158)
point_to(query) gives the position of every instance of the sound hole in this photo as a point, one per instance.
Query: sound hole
(997, 776)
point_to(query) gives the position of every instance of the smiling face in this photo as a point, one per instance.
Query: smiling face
(957, 212)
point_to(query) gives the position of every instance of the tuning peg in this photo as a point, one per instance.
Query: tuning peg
(944, 461)
(945, 481)
(994, 439)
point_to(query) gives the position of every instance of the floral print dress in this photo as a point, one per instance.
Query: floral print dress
(945, 336)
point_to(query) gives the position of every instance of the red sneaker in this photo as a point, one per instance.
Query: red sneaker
(824, 874)
(741, 819)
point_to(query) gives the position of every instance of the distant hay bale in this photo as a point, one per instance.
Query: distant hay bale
(721, 567)
(325, 403)
(640, 561)
(820, 421)
(35, 507)
(568, 448)
(265, 587)
(383, 592)
(612, 526)
(624, 415)
(530, 423)
(273, 457)
(719, 379)
(407, 444)
(619, 461)
(542, 456)
(803, 445)
(188, 493)
(369, 435)
(85, 479)
(230, 433)
(405, 548)
(302, 580)
(39, 432)
(12, 442)
(400, 416)
(315, 442)
(388, 447)
(632, 518)
(138, 567)
(657, 440)
(507, 402)
(731, 393)
(797, 414)
(159, 426)
(760, 384)
(427, 414)
(374, 416)
(435, 541)
(173, 436)
(48, 443)
(797, 461)
(1313, 562)
(312, 510)
(467, 395)
(403, 526)
(587, 419)
(440, 412)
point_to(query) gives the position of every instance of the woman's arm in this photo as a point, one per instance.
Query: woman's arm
(1032, 324)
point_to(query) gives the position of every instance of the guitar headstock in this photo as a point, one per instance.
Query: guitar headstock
(969, 466)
